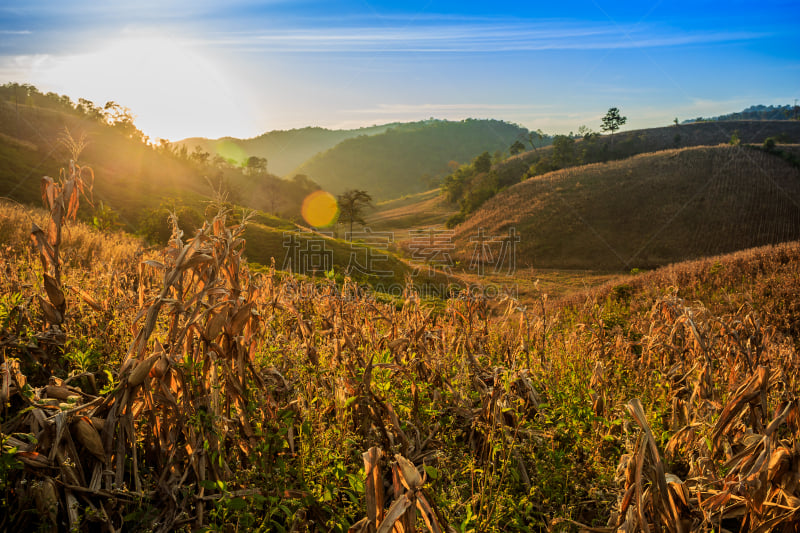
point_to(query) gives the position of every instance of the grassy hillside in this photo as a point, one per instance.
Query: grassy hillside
(645, 211)
(134, 175)
(469, 188)
(372, 263)
(284, 150)
(188, 391)
(136, 182)
(415, 210)
(408, 158)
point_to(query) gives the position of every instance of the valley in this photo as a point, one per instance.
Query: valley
(596, 333)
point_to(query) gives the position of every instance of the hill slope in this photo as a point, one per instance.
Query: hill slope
(130, 175)
(645, 211)
(405, 159)
(470, 188)
(284, 150)
(132, 178)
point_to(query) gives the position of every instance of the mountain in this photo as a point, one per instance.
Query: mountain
(136, 182)
(407, 158)
(470, 185)
(284, 150)
(756, 112)
(645, 211)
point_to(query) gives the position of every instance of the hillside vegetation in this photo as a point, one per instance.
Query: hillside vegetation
(649, 210)
(187, 391)
(284, 150)
(406, 159)
(757, 112)
(140, 182)
(474, 183)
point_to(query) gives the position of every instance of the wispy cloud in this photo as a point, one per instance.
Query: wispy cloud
(458, 35)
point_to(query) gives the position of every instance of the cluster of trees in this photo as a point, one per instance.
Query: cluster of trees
(473, 184)
(532, 138)
(112, 113)
(470, 185)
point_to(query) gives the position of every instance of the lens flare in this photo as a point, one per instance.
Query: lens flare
(319, 209)
(231, 151)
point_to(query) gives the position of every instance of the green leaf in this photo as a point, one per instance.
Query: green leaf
(236, 504)
(432, 472)
(350, 401)
(208, 484)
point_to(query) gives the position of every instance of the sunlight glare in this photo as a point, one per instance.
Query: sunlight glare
(232, 151)
(172, 89)
(319, 209)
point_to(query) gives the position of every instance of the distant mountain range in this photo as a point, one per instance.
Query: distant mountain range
(408, 158)
(387, 161)
(756, 112)
(284, 150)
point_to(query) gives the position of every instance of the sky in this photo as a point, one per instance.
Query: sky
(240, 68)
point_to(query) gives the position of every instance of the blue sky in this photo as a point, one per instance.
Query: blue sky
(241, 68)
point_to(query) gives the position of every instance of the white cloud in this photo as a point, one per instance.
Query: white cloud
(470, 36)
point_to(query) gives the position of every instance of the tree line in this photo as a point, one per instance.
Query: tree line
(471, 185)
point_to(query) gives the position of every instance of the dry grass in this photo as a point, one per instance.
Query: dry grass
(416, 211)
(646, 211)
(231, 400)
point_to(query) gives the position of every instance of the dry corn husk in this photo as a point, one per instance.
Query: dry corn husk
(160, 368)
(98, 423)
(410, 475)
(141, 371)
(61, 393)
(89, 437)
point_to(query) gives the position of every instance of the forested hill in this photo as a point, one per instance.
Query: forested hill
(136, 183)
(408, 158)
(284, 150)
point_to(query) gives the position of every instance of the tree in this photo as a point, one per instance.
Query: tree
(256, 165)
(534, 136)
(563, 151)
(586, 132)
(613, 121)
(121, 118)
(199, 156)
(516, 148)
(351, 206)
(482, 163)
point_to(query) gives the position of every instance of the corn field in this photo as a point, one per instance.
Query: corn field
(181, 390)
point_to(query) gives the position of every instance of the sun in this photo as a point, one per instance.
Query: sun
(173, 89)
